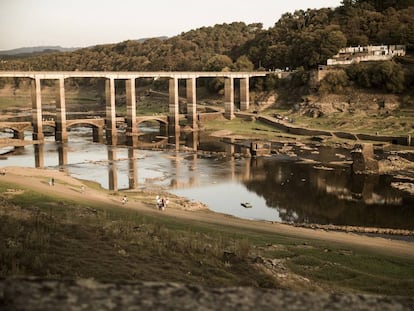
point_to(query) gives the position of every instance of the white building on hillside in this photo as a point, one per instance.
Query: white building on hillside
(350, 55)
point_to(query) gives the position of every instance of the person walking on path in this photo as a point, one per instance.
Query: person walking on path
(124, 200)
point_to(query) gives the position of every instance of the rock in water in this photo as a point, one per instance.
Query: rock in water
(364, 159)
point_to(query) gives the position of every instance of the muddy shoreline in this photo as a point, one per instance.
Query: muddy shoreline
(407, 235)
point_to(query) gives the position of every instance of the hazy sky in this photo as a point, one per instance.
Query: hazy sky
(79, 23)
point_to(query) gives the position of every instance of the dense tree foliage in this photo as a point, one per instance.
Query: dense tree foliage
(380, 5)
(334, 82)
(388, 75)
(200, 49)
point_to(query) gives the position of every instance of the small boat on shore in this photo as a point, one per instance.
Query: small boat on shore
(246, 205)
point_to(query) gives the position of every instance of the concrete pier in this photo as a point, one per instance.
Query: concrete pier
(37, 118)
(131, 117)
(191, 102)
(244, 94)
(229, 98)
(110, 117)
(173, 108)
(61, 131)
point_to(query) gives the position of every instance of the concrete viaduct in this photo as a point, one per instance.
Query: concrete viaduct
(61, 124)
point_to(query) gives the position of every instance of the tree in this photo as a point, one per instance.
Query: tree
(219, 63)
(387, 75)
(334, 82)
(243, 63)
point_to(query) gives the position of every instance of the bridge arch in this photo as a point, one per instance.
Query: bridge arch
(160, 119)
(17, 128)
(97, 126)
(151, 128)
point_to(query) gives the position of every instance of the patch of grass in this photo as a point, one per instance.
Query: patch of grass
(239, 126)
(281, 253)
(361, 272)
(398, 123)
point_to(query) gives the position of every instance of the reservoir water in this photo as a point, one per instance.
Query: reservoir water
(276, 188)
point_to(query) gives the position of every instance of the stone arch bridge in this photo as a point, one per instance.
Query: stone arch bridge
(97, 125)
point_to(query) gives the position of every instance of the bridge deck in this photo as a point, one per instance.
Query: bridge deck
(128, 74)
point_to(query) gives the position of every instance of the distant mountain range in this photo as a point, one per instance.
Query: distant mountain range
(28, 51)
(37, 49)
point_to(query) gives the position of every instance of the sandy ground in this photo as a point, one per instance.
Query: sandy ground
(70, 188)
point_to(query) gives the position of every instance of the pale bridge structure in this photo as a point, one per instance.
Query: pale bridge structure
(61, 124)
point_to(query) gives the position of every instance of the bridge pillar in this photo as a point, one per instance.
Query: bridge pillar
(173, 117)
(37, 110)
(131, 119)
(229, 98)
(97, 133)
(110, 118)
(61, 131)
(244, 94)
(191, 102)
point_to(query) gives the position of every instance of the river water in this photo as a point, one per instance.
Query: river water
(275, 188)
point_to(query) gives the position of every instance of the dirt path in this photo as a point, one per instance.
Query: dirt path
(71, 188)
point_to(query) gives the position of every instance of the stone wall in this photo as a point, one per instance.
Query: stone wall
(397, 140)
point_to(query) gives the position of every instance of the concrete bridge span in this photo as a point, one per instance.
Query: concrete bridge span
(61, 124)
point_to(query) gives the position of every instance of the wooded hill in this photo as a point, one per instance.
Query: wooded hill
(303, 39)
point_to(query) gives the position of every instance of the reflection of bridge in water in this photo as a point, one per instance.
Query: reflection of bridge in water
(109, 123)
(299, 192)
(180, 145)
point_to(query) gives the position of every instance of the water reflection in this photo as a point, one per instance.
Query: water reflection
(63, 156)
(112, 168)
(303, 193)
(278, 189)
(133, 168)
(39, 152)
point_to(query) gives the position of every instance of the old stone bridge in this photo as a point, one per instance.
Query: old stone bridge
(97, 125)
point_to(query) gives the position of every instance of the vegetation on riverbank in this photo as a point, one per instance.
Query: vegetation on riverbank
(387, 123)
(45, 236)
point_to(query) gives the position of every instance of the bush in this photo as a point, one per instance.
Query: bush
(386, 75)
(334, 82)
